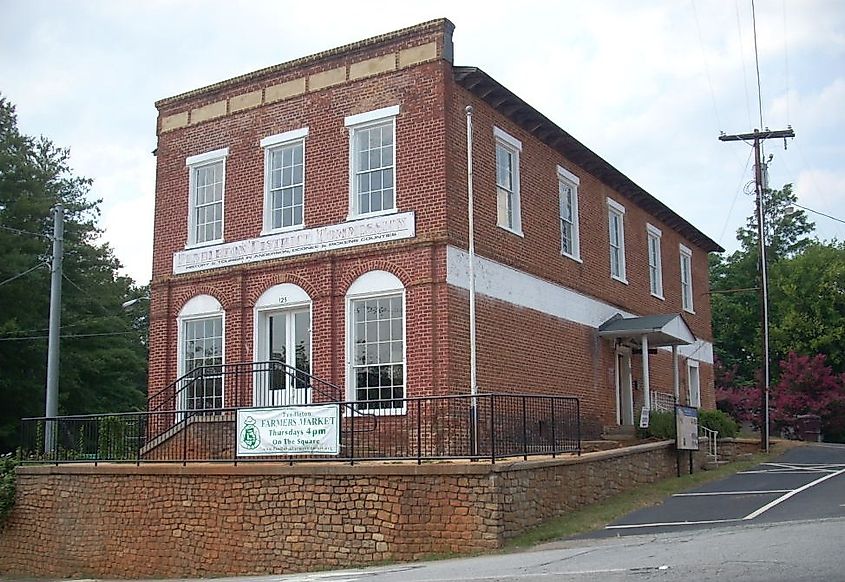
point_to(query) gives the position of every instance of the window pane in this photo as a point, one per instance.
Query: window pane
(381, 371)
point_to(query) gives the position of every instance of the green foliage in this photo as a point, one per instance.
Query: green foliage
(7, 487)
(806, 295)
(718, 421)
(661, 425)
(105, 372)
(118, 438)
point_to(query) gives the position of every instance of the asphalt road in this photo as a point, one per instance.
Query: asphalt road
(804, 483)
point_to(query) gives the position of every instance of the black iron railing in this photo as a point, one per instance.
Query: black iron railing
(240, 384)
(506, 425)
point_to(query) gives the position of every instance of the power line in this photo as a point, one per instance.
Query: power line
(757, 63)
(706, 68)
(742, 60)
(19, 275)
(25, 232)
(68, 336)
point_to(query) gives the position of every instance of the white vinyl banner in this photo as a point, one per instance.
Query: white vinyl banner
(289, 430)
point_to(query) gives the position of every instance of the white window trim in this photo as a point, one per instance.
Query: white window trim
(514, 146)
(686, 252)
(193, 163)
(616, 208)
(653, 231)
(570, 179)
(363, 121)
(696, 402)
(196, 308)
(371, 285)
(270, 143)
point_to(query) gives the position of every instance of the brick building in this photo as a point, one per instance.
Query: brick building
(315, 212)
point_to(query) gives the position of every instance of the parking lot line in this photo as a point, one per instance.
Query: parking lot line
(668, 523)
(786, 496)
(708, 493)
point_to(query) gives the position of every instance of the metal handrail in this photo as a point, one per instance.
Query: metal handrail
(712, 442)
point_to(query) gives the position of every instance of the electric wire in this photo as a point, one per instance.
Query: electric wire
(25, 232)
(786, 61)
(68, 336)
(19, 275)
(742, 60)
(736, 195)
(757, 64)
(706, 67)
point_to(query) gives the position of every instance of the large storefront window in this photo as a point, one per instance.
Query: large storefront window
(201, 354)
(376, 316)
(378, 363)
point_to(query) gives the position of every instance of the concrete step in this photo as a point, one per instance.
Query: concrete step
(619, 433)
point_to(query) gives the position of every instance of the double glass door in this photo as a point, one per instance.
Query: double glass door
(286, 343)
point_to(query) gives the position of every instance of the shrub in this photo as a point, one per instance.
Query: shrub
(661, 425)
(718, 421)
(7, 487)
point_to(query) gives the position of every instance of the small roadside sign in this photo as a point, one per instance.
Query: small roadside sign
(686, 428)
(644, 417)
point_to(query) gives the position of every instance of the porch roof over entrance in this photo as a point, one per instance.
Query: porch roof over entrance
(668, 329)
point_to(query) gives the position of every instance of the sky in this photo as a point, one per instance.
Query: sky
(647, 84)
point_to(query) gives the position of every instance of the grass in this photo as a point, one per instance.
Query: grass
(600, 514)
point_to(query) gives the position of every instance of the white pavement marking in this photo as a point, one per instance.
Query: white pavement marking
(709, 493)
(783, 498)
(668, 523)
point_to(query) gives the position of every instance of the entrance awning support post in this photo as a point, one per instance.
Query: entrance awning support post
(646, 386)
(676, 388)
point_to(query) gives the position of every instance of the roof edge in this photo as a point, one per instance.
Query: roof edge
(430, 25)
(517, 110)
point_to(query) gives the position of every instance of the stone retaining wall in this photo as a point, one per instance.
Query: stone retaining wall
(201, 520)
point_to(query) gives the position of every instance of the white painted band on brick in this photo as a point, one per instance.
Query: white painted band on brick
(568, 176)
(206, 157)
(291, 135)
(615, 205)
(369, 116)
(520, 288)
(510, 140)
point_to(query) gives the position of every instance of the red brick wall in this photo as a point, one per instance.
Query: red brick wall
(421, 268)
(538, 252)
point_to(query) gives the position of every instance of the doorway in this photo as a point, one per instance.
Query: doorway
(624, 388)
(284, 339)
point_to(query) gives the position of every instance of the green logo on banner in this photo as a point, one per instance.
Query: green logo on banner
(250, 437)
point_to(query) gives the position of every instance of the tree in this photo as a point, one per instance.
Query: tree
(734, 283)
(808, 386)
(103, 358)
(808, 304)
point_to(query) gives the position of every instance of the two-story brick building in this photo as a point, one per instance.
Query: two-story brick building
(315, 212)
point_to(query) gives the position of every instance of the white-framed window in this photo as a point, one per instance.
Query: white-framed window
(568, 182)
(372, 162)
(655, 263)
(694, 383)
(207, 180)
(686, 279)
(200, 356)
(616, 235)
(508, 212)
(375, 319)
(284, 180)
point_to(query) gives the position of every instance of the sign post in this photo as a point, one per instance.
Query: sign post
(686, 431)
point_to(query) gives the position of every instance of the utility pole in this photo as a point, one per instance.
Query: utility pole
(757, 137)
(52, 406)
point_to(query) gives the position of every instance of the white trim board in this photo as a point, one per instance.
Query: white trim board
(520, 288)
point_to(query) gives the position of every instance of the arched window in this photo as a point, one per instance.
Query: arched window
(375, 332)
(200, 359)
(282, 343)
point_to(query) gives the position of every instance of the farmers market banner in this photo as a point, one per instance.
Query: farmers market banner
(289, 430)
